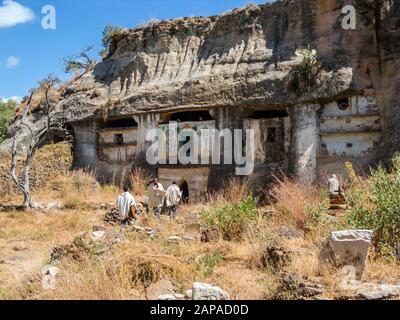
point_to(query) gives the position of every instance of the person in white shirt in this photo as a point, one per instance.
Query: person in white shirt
(156, 198)
(334, 185)
(172, 197)
(125, 202)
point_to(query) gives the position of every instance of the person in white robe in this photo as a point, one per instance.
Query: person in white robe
(334, 185)
(172, 198)
(124, 202)
(156, 195)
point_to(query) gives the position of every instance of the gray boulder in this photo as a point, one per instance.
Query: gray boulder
(203, 291)
(348, 248)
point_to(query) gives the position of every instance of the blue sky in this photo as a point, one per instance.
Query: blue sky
(28, 52)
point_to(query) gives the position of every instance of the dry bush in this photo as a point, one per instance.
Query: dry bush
(139, 180)
(296, 203)
(233, 191)
(39, 100)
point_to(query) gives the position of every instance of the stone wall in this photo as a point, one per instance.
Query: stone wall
(351, 134)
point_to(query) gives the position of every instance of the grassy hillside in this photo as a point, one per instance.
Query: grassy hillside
(259, 249)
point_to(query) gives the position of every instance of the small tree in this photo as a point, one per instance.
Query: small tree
(79, 63)
(7, 111)
(374, 203)
(36, 140)
(304, 76)
(108, 33)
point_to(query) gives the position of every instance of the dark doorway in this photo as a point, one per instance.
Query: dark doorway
(201, 115)
(269, 114)
(119, 123)
(185, 191)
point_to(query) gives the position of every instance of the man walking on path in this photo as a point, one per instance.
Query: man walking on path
(156, 198)
(125, 202)
(172, 197)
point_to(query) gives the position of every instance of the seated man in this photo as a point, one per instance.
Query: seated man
(125, 202)
(172, 197)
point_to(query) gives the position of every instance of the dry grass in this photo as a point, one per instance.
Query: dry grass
(39, 100)
(233, 191)
(130, 267)
(139, 179)
(293, 201)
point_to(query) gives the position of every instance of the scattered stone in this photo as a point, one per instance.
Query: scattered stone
(166, 297)
(112, 216)
(203, 291)
(290, 232)
(301, 287)
(372, 291)
(348, 274)
(20, 248)
(275, 256)
(174, 239)
(86, 244)
(192, 228)
(349, 247)
(160, 288)
(189, 238)
(38, 206)
(331, 218)
(179, 296)
(98, 234)
(53, 206)
(138, 228)
(150, 231)
(189, 294)
(50, 270)
(49, 206)
(210, 234)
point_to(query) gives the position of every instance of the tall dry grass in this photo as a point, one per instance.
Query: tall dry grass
(139, 180)
(233, 191)
(294, 202)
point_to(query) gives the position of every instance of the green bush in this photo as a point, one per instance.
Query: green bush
(7, 110)
(209, 261)
(374, 203)
(232, 219)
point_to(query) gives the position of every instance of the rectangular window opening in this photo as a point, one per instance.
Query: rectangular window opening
(119, 139)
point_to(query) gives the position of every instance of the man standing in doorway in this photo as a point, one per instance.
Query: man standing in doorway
(156, 198)
(172, 197)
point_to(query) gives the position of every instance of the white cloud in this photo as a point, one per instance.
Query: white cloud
(15, 98)
(12, 62)
(13, 13)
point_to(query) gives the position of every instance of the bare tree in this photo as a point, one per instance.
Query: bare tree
(36, 140)
(79, 63)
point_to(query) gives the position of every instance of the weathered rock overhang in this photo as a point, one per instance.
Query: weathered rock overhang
(241, 58)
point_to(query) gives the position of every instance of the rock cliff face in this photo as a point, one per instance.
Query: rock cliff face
(246, 57)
